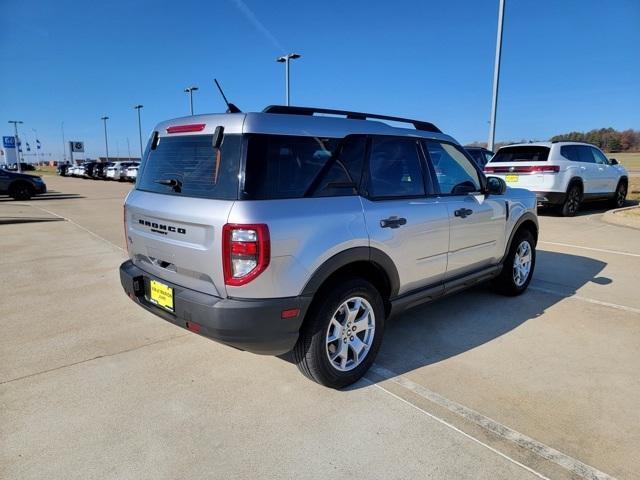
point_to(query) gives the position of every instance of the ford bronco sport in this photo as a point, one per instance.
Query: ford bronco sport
(304, 230)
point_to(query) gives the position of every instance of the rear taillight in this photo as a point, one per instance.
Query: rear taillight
(524, 169)
(245, 252)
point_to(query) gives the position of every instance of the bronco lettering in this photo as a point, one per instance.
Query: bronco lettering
(158, 227)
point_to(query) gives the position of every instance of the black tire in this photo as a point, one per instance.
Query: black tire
(311, 353)
(620, 195)
(506, 283)
(572, 201)
(21, 191)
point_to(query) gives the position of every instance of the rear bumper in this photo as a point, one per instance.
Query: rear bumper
(550, 198)
(254, 325)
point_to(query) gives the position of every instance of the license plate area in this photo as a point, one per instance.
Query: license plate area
(161, 295)
(511, 178)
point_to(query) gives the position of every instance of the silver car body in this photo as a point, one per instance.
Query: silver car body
(434, 246)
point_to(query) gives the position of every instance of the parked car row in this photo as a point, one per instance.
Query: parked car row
(121, 171)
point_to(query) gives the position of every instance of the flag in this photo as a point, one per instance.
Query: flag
(37, 144)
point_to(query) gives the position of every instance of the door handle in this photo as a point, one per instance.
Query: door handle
(463, 212)
(393, 222)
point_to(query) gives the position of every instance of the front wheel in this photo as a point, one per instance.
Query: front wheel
(341, 337)
(22, 191)
(518, 266)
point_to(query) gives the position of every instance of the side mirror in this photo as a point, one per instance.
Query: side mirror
(613, 161)
(496, 186)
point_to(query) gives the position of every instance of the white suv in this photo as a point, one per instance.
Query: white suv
(562, 174)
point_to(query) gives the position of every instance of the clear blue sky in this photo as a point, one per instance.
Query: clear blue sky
(567, 65)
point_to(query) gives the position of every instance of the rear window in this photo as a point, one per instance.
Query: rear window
(190, 166)
(280, 166)
(521, 154)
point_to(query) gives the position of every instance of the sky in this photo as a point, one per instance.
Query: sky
(566, 65)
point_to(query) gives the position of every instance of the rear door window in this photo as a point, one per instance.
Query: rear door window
(533, 153)
(395, 168)
(189, 165)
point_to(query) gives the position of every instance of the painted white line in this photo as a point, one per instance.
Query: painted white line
(80, 226)
(603, 250)
(624, 308)
(452, 427)
(563, 460)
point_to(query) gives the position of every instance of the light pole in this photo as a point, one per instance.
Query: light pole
(106, 143)
(16, 139)
(496, 78)
(36, 144)
(286, 59)
(64, 146)
(190, 91)
(138, 108)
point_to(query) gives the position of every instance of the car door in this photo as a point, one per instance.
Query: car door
(607, 174)
(403, 218)
(588, 170)
(477, 222)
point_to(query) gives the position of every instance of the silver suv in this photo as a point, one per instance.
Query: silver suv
(305, 230)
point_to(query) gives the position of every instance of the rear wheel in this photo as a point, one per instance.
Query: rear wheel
(21, 191)
(620, 196)
(572, 201)
(342, 334)
(518, 266)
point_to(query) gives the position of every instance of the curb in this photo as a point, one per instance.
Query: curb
(611, 217)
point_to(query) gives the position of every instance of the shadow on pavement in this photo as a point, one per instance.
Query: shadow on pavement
(47, 196)
(589, 208)
(453, 325)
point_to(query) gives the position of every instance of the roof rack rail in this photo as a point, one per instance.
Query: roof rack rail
(418, 124)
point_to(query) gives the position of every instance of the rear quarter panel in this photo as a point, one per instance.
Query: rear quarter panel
(304, 233)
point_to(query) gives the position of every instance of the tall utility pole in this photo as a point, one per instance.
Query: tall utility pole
(16, 140)
(36, 144)
(138, 108)
(64, 146)
(190, 91)
(106, 142)
(286, 59)
(496, 78)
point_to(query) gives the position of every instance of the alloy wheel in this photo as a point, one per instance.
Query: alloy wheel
(350, 334)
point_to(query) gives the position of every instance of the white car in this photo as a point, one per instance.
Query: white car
(118, 170)
(132, 172)
(562, 174)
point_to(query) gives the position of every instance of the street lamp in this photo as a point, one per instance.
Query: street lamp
(36, 144)
(286, 59)
(190, 91)
(106, 143)
(138, 108)
(16, 139)
(496, 78)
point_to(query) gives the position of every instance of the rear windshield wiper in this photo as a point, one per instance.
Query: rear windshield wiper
(171, 182)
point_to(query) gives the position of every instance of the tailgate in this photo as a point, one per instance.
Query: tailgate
(178, 239)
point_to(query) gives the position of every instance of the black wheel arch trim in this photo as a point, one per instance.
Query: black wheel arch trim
(353, 255)
(527, 216)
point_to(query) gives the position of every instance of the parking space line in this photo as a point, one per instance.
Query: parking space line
(447, 424)
(563, 460)
(624, 308)
(81, 227)
(603, 250)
